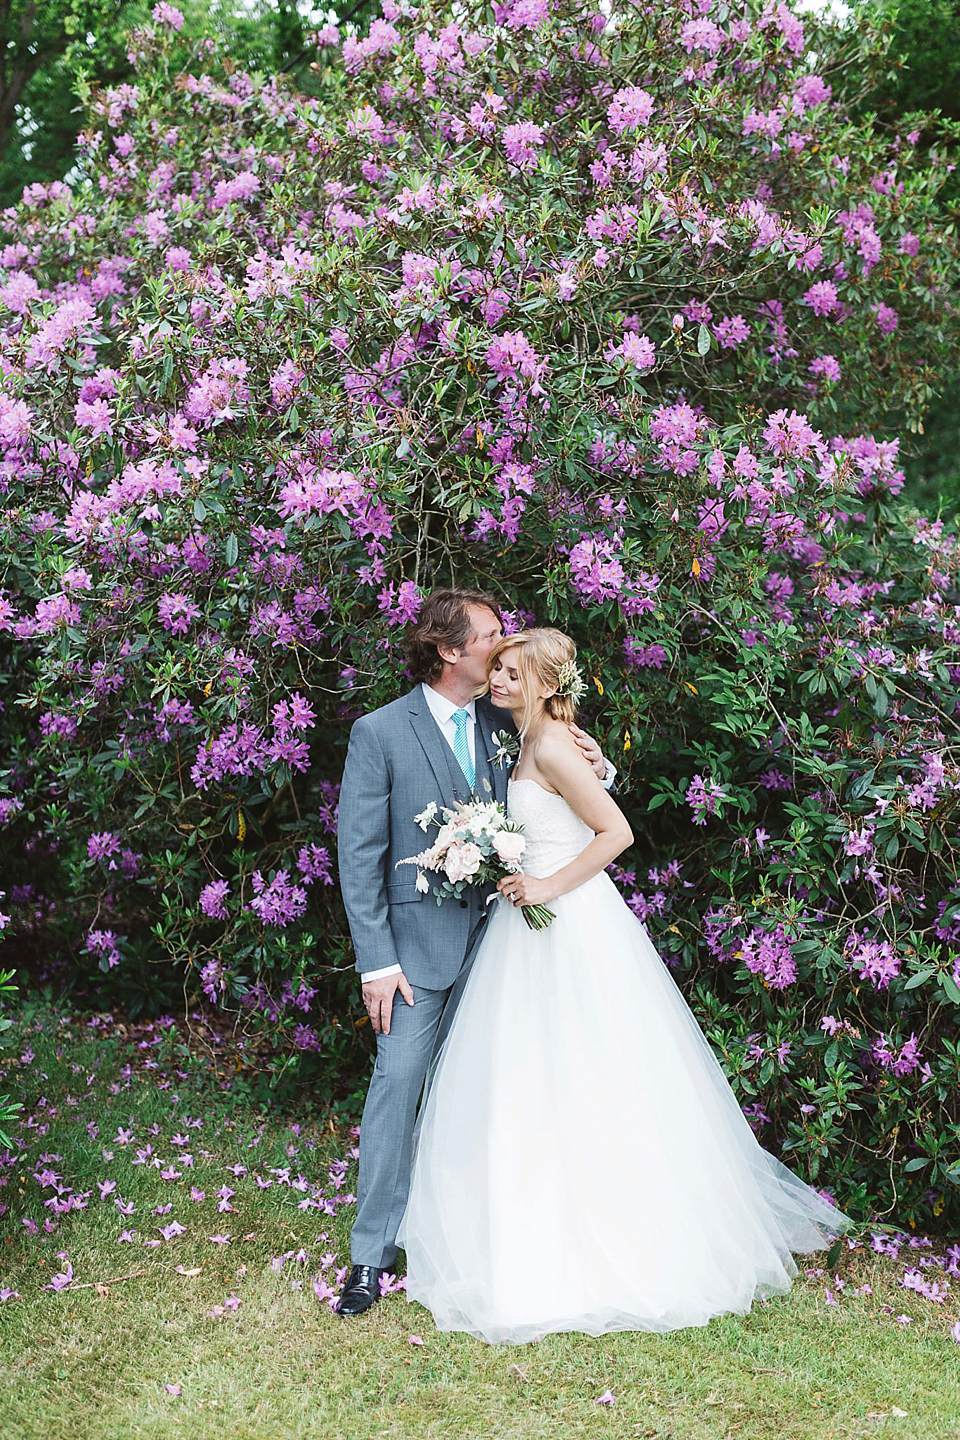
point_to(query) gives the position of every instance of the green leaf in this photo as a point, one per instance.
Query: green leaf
(703, 340)
(231, 550)
(950, 987)
(199, 510)
(833, 1254)
(918, 979)
(917, 1163)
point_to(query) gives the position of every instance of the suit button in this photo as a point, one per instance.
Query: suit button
(463, 904)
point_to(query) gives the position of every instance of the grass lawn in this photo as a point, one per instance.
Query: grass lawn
(240, 1327)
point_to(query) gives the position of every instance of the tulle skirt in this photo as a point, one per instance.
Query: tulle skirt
(582, 1162)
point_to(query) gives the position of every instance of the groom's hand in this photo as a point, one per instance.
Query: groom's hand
(378, 998)
(590, 749)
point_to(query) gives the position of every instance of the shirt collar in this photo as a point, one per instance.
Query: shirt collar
(442, 709)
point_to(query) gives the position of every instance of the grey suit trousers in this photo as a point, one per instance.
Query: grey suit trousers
(389, 1115)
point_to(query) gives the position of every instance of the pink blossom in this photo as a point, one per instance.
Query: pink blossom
(240, 187)
(887, 318)
(732, 332)
(213, 899)
(825, 367)
(701, 35)
(822, 298)
(165, 14)
(19, 293)
(636, 350)
(520, 143)
(94, 415)
(629, 109)
(177, 613)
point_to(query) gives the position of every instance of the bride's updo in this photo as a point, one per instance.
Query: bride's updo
(546, 659)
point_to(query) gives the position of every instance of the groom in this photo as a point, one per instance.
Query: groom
(436, 743)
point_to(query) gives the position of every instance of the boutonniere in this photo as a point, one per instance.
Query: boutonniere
(508, 748)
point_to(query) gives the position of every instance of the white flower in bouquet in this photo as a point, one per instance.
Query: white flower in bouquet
(425, 816)
(509, 845)
(463, 861)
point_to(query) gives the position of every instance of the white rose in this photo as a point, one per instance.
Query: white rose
(509, 845)
(462, 861)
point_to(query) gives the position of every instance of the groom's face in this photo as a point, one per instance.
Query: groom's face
(485, 631)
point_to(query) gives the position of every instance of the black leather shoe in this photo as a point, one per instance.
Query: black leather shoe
(361, 1290)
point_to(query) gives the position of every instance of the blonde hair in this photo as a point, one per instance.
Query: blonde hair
(540, 654)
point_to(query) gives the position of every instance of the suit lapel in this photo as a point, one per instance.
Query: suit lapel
(488, 720)
(449, 777)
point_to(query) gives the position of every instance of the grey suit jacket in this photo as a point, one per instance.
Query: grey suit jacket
(397, 762)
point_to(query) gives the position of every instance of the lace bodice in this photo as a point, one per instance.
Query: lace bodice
(554, 833)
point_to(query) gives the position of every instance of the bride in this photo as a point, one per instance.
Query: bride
(582, 1163)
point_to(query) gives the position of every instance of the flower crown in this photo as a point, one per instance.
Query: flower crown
(569, 680)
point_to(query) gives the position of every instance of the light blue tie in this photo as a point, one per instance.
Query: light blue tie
(461, 749)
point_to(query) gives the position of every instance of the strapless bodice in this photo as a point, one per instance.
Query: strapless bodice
(554, 832)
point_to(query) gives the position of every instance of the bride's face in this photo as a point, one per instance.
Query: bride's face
(505, 687)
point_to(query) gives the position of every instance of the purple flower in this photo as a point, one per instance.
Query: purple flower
(314, 863)
(213, 900)
(94, 415)
(825, 367)
(822, 298)
(213, 981)
(769, 955)
(401, 607)
(732, 332)
(520, 142)
(636, 350)
(704, 798)
(630, 108)
(169, 15)
(887, 318)
(177, 613)
(277, 902)
(643, 656)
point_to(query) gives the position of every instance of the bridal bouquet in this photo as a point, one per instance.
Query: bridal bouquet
(476, 845)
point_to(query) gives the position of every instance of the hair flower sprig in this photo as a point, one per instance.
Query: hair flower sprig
(570, 681)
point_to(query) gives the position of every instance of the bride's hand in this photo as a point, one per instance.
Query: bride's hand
(523, 889)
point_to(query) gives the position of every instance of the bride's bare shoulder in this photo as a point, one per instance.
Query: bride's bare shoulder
(555, 744)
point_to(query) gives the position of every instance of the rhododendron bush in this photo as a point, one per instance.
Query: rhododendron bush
(607, 313)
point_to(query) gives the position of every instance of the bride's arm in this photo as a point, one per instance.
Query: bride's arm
(560, 763)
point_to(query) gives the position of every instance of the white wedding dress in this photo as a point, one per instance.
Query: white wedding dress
(582, 1162)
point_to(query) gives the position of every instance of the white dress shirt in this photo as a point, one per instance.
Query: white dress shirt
(442, 711)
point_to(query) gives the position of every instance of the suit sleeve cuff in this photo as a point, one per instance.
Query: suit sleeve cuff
(379, 974)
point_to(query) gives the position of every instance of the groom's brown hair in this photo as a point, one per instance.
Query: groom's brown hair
(444, 620)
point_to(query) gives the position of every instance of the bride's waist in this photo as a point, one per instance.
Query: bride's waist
(542, 862)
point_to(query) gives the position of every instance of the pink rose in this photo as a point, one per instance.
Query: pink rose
(462, 861)
(509, 845)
